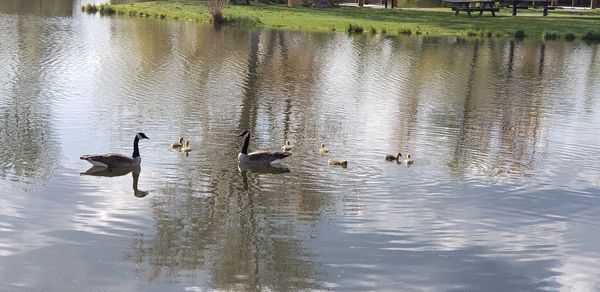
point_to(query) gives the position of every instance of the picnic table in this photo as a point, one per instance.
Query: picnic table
(473, 6)
(518, 4)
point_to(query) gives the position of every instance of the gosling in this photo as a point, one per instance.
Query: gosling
(177, 144)
(287, 147)
(343, 163)
(408, 160)
(323, 149)
(187, 147)
(391, 157)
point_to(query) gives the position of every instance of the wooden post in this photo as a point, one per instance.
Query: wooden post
(514, 8)
(361, 3)
(592, 4)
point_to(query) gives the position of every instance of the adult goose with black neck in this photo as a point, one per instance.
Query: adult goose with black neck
(259, 157)
(115, 160)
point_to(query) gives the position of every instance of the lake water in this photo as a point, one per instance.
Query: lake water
(504, 194)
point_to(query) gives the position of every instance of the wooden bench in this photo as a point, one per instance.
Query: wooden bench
(473, 6)
(475, 9)
(521, 4)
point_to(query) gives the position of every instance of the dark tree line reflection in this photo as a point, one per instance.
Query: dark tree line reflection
(233, 234)
(28, 146)
(38, 7)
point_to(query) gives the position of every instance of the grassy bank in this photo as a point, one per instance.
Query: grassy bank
(530, 23)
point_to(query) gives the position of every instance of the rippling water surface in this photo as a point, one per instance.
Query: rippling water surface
(503, 195)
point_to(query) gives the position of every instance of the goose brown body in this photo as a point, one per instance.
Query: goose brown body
(178, 144)
(391, 157)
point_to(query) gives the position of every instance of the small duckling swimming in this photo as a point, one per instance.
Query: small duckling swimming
(323, 149)
(343, 163)
(391, 157)
(187, 147)
(177, 144)
(408, 160)
(287, 147)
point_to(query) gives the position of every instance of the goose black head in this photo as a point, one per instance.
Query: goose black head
(141, 135)
(243, 133)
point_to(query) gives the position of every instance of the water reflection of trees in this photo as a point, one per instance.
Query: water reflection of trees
(38, 7)
(499, 121)
(245, 234)
(28, 147)
(243, 230)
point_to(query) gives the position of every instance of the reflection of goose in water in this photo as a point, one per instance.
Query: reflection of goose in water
(263, 169)
(259, 169)
(113, 172)
(114, 160)
(259, 157)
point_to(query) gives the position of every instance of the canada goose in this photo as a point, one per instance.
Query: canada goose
(178, 144)
(391, 157)
(114, 160)
(287, 147)
(343, 163)
(259, 157)
(408, 160)
(186, 148)
(323, 149)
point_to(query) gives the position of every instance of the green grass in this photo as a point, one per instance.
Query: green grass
(353, 28)
(90, 8)
(434, 21)
(405, 31)
(550, 36)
